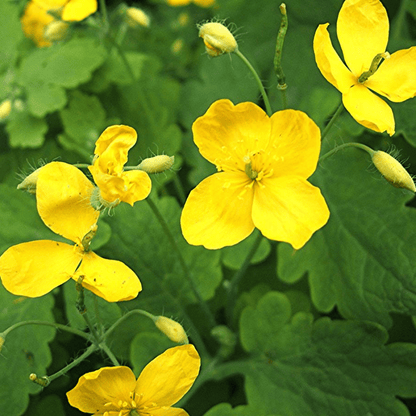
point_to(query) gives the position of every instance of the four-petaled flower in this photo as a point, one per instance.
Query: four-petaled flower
(115, 185)
(263, 166)
(363, 30)
(115, 391)
(35, 268)
(39, 14)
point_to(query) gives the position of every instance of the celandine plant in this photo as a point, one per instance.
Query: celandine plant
(201, 234)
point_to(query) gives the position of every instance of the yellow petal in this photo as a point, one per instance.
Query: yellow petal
(167, 378)
(289, 209)
(329, 63)
(138, 186)
(112, 147)
(369, 110)
(100, 391)
(77, 10)
(112, 280)
(363, 32)
(63, 200)
(217, 212)
(35, 268)
(178, 2)
(395, 78)
(225, 133)
(168, 411)
(295, 144)
(204, 3)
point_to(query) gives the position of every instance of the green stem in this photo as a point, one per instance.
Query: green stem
(235, 281)
(91, 327)
(343, 146)
(185, 268)
(92, 348)
(44, 323)
(332, 121)
(124, 317)
(104, 14)
(109, 353)
(258, 81)
(399, 21)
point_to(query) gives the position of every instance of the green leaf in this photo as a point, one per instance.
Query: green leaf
(405, 122)
(84, 121)
(25, 130)
(362, 260)
(26, 349)
(49, 406)
(233, 257)
(225, 409)
(46, 72)
(140, 242)
(301, 367)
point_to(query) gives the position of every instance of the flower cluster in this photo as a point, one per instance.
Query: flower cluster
(44, 21)
(363, 30)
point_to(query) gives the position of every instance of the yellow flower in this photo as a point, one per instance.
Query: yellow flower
(115, 185)
(35, 268)
(263, 165)
(114, 390)
(201, 3)
(363, 29)
(39, 14)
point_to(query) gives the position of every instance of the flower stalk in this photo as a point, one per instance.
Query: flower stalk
(281, 78)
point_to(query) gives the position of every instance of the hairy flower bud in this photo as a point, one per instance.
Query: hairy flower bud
(56, 30)
(29, 183)
(393, 171)
(137, 17)
(172, 329)
(217, 39)
(156, 164)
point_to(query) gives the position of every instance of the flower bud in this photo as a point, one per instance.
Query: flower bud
(393, 171)
(29, 183)
(217, 39)
(5, 109)
(56, 30)
(2, 339)
(156, 164)
(172, 329)
(137, 17)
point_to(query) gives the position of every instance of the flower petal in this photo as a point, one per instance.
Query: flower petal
(217, 212)
(289, 209)
(112, 280)
(100, 391)
(34, 21)
(138, 186)
(329, 63)
(167, 378)
(112, 147)
(395, 78)
(368, 109)
(77, 10)
(363, 32)
(35, 268)
(227, 132)
(295, 144)
(169, 411)
(63, 200)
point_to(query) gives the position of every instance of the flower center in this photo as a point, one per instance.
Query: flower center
(373, 67)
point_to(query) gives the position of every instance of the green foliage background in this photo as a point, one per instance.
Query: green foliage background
(326, 330)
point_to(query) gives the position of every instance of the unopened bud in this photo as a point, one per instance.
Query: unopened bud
(393, 171)
(29, 183)
(172, 329)
(56, 30)
(5, 109)
(137, 17)
(156, 164)
(217, 39)
(2, 339)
